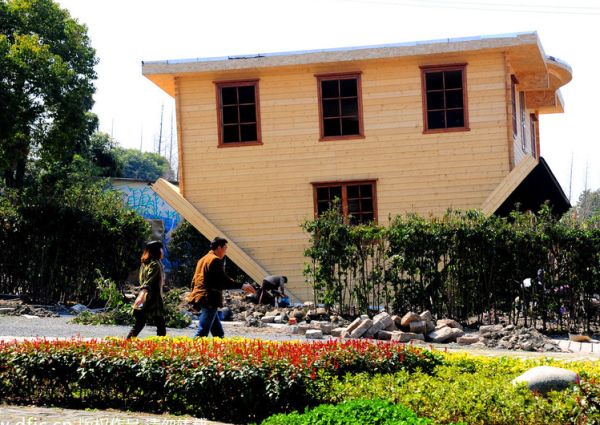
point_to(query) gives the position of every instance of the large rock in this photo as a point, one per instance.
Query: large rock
(78, 308)
(314, 334)
(375, 327)
(361, 329)
(406, 336)
(350, 328)
(384, 335)
(445, 334)
(488, 329)
(385, 318)
(426, 316)
(337, 332)
(448, 322)
(467, 339)
(418, 327)
(409, 317)
(547, 378)
(429, 326)
(397, 320)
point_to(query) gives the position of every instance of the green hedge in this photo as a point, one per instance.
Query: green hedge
(228, 380)
(478, 391)
(53, 240)
(459, 265)
(363, 412)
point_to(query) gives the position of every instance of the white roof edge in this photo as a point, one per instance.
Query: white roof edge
(338, 54)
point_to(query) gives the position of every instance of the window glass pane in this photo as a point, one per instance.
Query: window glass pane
(455, 118)
(436, 119)
(248, 133)
(322, 194)
(246, 94)
(454, 99)
(435, 100)
(229, 95)
(330, 88)
(230, 134)
(453, 79)
(323, 206)
(247, 113)
(366, 191)
(350, 107)
(366, 218)
(353, 205)
(349, 126)
(366, 205)
(331, 108)
(348, 88)
(335, 192)
(230, 115)
(331, 127)
(434, 81)
(353, 191)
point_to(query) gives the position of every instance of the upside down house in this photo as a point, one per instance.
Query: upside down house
(267, 141)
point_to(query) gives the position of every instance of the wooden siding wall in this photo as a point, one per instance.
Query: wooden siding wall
(259, 195)
(519, 152)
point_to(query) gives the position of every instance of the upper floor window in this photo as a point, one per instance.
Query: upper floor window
(340, 106)
(357, 199)
(513, 100)
(238, 113)
(523, 120)
(444, 98)
(533, 131)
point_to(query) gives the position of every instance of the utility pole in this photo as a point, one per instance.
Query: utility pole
(162, 108)
(171, 147)
(571, 178)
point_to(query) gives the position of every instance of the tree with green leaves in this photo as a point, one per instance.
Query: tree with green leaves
(141, 165)
(588, 205)
(46, 87)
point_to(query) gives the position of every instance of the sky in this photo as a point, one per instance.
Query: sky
(126, 32)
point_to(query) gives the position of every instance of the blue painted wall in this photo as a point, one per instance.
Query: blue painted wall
(139, 196)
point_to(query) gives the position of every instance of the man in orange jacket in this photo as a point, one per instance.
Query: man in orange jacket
(209, 282)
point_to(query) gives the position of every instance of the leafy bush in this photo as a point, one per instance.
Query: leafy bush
(477, 391)
(233, 380)
(364, 412)
(55, 238)
(118, 312)
(445, 264)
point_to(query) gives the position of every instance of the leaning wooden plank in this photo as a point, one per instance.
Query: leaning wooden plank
(170, 193)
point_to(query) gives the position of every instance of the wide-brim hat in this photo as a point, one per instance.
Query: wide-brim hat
(151, 244)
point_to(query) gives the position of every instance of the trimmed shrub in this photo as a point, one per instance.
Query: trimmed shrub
(232, 380)
(364, 412)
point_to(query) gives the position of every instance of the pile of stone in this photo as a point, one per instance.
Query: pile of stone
(510, 337)
(19, 308)
(383, 326)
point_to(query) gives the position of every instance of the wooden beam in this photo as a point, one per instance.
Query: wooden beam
(170, 193)
(508, 185)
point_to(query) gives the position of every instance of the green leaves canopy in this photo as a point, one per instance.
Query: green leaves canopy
(46, 75)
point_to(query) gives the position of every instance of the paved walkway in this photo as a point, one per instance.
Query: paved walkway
(30, 415)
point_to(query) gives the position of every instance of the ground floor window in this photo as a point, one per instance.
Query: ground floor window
(358, 199)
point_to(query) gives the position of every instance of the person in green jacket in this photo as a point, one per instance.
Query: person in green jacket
(149, 303)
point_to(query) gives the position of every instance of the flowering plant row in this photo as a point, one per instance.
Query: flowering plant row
(234, 380)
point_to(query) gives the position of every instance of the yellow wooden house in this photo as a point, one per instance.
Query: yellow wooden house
(267, 141)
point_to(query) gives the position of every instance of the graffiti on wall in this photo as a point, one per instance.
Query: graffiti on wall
(141, 198)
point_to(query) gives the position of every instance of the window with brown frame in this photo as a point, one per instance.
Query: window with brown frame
(238, 113)
(358, 200)
(444, 98)
(340, 106)
(513, 99)
(523, 120)
(533, 131)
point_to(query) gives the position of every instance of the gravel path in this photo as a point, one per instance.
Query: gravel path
(52, 327)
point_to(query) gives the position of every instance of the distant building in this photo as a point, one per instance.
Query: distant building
(138, 195)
